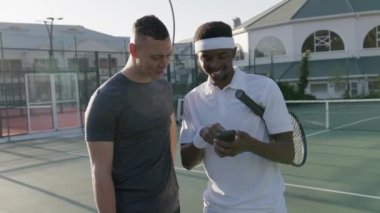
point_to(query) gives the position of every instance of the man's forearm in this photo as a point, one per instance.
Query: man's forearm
(280, 151)
(104, 195)
(191, 156)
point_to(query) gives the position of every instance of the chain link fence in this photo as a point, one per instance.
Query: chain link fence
(91, 69)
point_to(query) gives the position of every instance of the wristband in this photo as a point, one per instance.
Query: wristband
(198, 141)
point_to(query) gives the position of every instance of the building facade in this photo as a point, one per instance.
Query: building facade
(343, 38)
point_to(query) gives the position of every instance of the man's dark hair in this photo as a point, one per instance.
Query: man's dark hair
(150, 26)
(213, 30)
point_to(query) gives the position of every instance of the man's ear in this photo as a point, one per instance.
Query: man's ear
(234, 52)
(132, 50)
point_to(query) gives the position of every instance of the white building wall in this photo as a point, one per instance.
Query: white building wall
(242, 40)
(344, 27)
(284, 33)
(352, 30)
(366, 23)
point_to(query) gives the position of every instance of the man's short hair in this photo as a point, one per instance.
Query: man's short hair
(213, 30)
(150, 26)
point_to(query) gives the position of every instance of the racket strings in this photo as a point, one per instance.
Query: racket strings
(298, 142)
(299, 139)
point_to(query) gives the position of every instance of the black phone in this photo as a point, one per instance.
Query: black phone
(228, 135)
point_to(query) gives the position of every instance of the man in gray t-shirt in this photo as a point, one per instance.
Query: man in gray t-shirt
(130, 130)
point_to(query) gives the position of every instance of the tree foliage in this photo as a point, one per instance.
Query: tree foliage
(304, 74)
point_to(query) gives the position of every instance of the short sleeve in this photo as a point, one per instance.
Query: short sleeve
(100, 118)
(276, 114)
(188, 131)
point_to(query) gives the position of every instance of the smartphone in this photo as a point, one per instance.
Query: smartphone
(228, 135)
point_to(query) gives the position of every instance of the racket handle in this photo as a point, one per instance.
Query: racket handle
(251, 104)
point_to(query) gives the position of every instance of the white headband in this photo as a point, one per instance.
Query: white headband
(214, 43)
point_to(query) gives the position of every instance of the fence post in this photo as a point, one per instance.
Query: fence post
(109, 65)
(80, 98)
(96, 63)
(327, 115)
(3, 84)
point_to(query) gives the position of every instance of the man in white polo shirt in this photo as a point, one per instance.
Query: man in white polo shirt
(244, 174)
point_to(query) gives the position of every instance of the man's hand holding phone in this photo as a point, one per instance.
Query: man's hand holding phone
(227, 136)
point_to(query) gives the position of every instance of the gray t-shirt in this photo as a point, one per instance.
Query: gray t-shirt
(136, 118)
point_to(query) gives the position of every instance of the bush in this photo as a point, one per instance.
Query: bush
(372, 95)
(290, 93)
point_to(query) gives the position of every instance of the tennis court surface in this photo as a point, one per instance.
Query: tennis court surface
(51, 174)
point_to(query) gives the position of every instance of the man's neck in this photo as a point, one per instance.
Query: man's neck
(132, 73)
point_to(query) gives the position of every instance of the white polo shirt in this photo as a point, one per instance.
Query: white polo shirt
(246, 182)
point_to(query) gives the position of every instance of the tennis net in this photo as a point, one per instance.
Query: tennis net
(347, 114)
(352, 114)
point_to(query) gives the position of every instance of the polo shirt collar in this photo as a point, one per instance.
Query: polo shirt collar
(239, 81)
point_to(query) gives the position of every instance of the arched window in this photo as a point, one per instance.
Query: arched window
(322, 41)
(269, 46)
(372, 39)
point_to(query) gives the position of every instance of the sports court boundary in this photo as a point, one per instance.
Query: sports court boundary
(42, 135)
(304, 187)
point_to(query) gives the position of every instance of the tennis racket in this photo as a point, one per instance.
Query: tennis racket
(299, 138)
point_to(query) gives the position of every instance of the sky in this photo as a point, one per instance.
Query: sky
(115, 17)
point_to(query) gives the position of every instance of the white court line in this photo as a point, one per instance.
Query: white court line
(317, 133)
(340, 127)
(77, 154)
(307, 187)
(333, 191)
